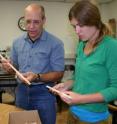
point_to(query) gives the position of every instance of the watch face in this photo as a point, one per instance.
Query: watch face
(21, 24)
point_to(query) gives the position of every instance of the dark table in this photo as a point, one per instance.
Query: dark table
(6, 80)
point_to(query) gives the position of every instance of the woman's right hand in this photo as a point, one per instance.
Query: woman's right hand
(64, 86)
(60, 87)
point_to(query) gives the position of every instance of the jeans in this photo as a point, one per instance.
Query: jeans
(37, 97)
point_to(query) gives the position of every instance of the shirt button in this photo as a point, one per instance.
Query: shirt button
(28, 65)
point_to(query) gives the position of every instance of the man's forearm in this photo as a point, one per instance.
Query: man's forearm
(51, 76)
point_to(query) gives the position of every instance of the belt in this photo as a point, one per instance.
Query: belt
(38, 83)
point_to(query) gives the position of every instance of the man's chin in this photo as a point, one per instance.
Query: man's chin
(32, 35)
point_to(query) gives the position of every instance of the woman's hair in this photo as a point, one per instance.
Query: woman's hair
(88, 14)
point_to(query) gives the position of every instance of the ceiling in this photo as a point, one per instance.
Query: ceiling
(70, 1)
(104, 1)
(98, 1)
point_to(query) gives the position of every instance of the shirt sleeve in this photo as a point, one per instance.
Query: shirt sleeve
(57, 57)
(110, 93)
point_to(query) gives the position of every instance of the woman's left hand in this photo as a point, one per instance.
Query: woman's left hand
(75, 97)
(81, 98)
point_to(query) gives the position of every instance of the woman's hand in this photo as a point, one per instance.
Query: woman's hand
(81, 98)
(64, 86)
(57, 88)
(60, 87)
(75, 97)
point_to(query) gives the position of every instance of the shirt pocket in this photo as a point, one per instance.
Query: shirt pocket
(41, 58)
(23, 57)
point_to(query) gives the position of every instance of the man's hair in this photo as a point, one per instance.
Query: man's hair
(36, 7)
(43, 11)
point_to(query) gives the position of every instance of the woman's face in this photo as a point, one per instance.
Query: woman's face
(84, 32)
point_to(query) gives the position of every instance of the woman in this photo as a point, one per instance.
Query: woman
(94, 82)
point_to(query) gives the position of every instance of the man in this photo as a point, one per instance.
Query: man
(40, 57)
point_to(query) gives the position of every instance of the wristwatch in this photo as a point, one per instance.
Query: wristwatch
(39, 77)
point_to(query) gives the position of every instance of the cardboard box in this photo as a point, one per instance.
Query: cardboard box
(24, 117)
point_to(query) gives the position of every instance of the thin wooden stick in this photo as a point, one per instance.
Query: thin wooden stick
(112, 107)
(58, 92)
(17, 72)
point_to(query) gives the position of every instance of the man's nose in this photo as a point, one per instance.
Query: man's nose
(31, 25)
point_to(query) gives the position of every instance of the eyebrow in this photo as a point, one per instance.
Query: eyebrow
(74, 25)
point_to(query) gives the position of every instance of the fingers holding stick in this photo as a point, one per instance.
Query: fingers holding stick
(17, 72)
(58, 92)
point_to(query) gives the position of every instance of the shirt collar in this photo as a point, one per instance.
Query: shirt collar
(43, 36)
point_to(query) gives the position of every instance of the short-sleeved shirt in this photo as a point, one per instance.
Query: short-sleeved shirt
(45, 55)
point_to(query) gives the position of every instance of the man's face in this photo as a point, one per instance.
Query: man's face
(34, 23)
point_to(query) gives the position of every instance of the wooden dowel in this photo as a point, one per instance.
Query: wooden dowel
(112, 107)
(58, 92)
(17, 72)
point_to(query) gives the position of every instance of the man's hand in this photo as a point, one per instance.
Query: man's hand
(6, 67)
(30, 76)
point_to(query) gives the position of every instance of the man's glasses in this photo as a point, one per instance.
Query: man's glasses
(35, 22)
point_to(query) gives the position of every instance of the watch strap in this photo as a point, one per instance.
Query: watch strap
(38, 76)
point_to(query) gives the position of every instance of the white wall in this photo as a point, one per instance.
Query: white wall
(109, 11)
(57, 22)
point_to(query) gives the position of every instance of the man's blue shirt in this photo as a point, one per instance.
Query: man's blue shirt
(45, 55)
